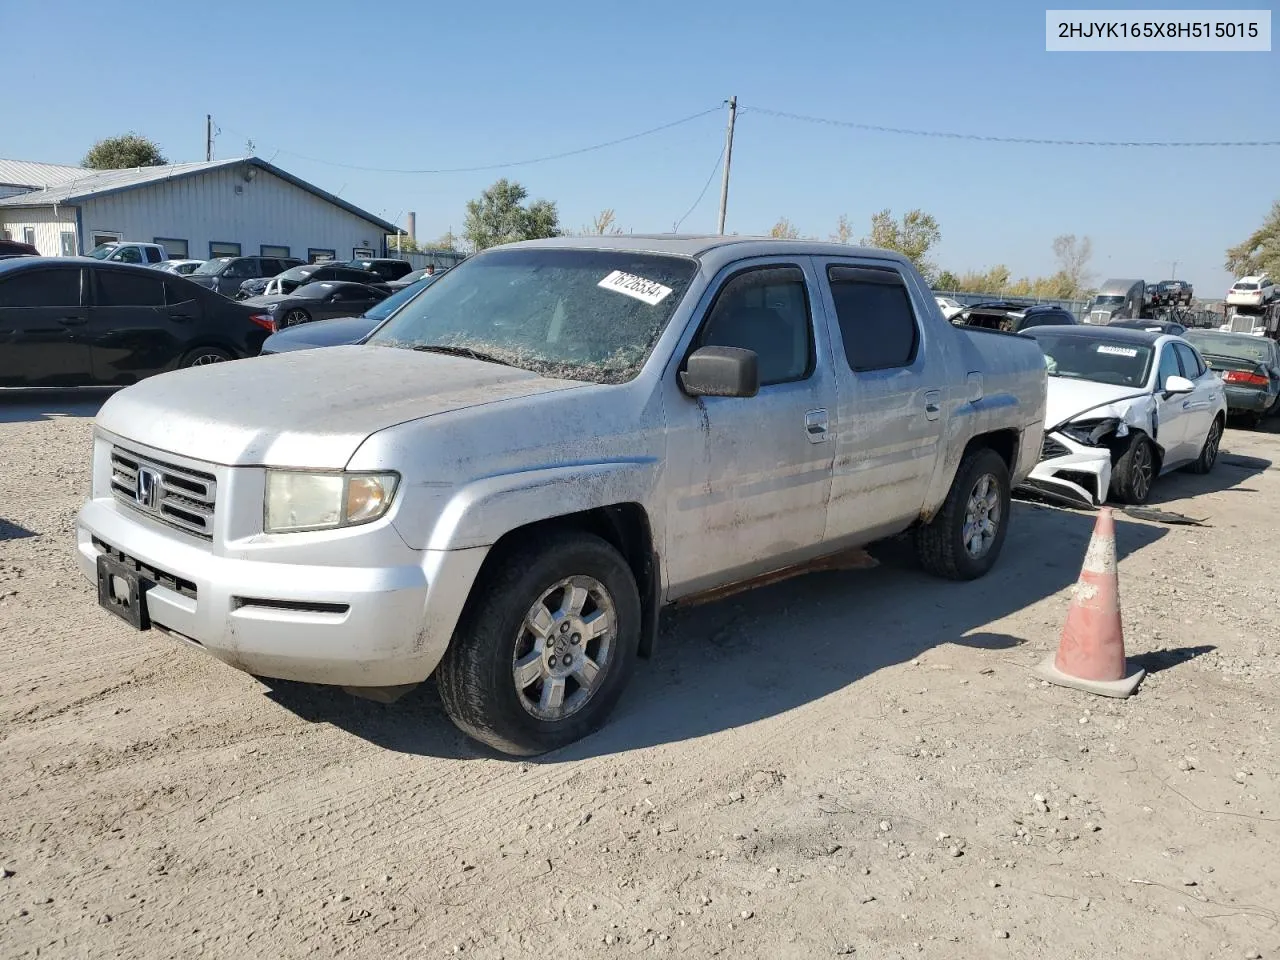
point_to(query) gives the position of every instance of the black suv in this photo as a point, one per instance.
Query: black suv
(225, 274)
(385, 268)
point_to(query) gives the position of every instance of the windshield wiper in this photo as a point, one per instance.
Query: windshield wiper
(462, 352)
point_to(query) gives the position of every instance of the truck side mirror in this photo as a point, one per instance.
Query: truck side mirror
(721, 372)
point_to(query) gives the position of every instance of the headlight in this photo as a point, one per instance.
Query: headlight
(1092, 432)
(325, 501)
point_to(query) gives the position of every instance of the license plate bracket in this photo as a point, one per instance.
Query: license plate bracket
(124, 592)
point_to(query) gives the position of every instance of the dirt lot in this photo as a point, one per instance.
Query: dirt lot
(856, 763)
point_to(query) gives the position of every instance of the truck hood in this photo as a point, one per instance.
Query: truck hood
(306, 409)
(1069, 398)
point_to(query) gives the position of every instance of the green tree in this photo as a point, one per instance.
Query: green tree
(500, 216)
(784, 229)
(1073, 256)
(947, 281)
(913, 237)
(446, 241)
(844, 230)
(406, 243)
(120, 153)
(1260, 252)
(603, 223)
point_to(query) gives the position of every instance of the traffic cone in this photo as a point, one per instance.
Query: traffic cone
(1090, 655)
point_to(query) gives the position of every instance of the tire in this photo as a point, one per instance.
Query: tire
(1209, 452)
(477, 677)
(294, 317)
(979, 492)
(202, 356)
(1135, 471)
(1251, 420)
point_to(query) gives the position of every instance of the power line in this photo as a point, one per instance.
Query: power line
(711, 176)
(510, 163)
(876, 128)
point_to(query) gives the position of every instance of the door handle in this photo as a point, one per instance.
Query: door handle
(933, 404)
(180, 317)
(815, 426)
(72, 321)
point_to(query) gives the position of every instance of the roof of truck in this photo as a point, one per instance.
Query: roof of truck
(700, 245)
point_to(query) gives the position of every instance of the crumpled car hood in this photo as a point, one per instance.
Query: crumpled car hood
(1068, 399)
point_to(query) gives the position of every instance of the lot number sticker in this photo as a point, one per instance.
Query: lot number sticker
(629, 284)
(1117, 351)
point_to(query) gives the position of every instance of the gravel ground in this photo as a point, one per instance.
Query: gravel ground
(854, 763)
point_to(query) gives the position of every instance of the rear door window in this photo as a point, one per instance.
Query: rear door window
(120, 288)
(877, 323)
(1192, 368)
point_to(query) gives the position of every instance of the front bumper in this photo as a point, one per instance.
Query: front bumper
(1080, 475)
(1248, 400)
(317, 621)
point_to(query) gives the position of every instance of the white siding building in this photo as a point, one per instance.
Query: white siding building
(239, 207)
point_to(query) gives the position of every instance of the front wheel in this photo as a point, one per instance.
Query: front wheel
(545, 645)
(964, 538)
(203, 356)
(1135, 471)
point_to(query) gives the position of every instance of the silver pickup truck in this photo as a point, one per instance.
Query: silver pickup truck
(521, 467)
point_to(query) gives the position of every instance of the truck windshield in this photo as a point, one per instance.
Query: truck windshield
(577, 314)
(102, 251)
(1123, 363)
(1108, 301)
(211, 268)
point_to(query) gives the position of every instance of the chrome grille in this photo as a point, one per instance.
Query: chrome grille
(178, 496)
(1051, 448)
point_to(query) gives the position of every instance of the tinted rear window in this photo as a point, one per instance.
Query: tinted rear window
(42, 288)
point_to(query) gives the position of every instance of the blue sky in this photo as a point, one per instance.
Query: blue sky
(413, 85)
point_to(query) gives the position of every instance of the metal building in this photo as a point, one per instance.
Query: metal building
(238, 207)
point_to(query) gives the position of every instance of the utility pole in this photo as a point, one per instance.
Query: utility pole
(728, 157)
(1173, 272)
(208, 136)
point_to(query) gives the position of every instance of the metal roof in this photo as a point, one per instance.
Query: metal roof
(22, 173)
(98, 183)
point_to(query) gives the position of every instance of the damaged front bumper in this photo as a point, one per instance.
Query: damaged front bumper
(1071, 472)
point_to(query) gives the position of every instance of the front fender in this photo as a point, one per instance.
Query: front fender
(482, 511)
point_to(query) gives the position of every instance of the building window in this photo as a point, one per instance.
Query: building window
(99, 238)
(29, 235)
(363, 253)
(273, 250)
(68, 243)
(219, 249)
(320, 255)
(174, 248)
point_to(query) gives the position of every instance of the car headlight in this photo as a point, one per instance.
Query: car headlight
(325, 501)
(1092, 432)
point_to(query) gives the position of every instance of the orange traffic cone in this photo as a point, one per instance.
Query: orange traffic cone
(1090, 655)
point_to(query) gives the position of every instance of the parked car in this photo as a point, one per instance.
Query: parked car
(523, 465)
(77, 323)
(16, 248)
(1117, 300)
(1251, 292)
(343, 330)
(416, 275)
(1125, 407)
(319, 300)
(386, 268)
(1151, 326)
(1012, 317)
(121, 251)
(179, 268)
(1174, 292)
(225, 274)
(294, 277)
(1154, 297)
(1249, 367)
(948, 306)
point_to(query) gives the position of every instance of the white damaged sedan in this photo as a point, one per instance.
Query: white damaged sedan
(1124, 407)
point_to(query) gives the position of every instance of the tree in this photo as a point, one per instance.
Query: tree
(446, 241)
(844, 230)
(403, 244)
(119, 153)
(913, 237)
(1073, 262)
(947, 281)
(499, 216)
(1260, 253)
(603, 223)
(784, 230)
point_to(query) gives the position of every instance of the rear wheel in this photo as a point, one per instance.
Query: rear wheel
(1135, 471)
(963, 540)
(203, 356)
(545, 645)
(1209, 452)
(295, 317)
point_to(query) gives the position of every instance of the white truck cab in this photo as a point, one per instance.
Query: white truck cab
(122, 251)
